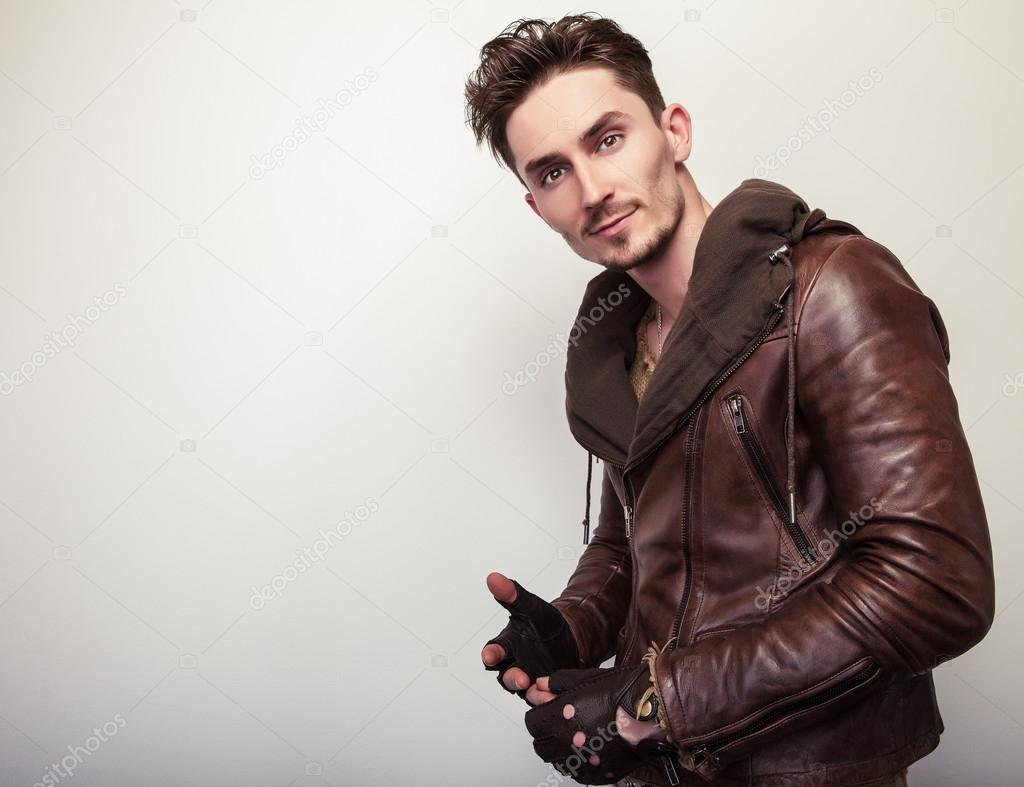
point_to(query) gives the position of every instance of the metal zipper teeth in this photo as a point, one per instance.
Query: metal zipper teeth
(684, 527)
(685, 417)
(772, 321)
(756, 455)
(769, 326)
(635, 612)
(681, 420)
(709, 751)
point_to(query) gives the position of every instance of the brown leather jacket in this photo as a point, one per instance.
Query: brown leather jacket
(805, 359)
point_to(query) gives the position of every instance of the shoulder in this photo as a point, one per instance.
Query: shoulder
(857, 281)
(853, 266)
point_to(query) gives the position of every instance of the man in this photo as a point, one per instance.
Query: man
(791, 534)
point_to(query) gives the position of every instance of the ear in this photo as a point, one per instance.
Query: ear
(530, 201)
(678, 130)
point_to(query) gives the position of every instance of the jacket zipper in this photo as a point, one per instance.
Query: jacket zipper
(757, 458)
(772, 320)
(684, 528)
(629, 512)
(710, 750)
(713, 386)
(629, 515)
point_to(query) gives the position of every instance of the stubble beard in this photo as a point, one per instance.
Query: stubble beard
(657, 242)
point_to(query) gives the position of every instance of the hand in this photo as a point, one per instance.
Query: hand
(634, 731)
(631, 730)
(582, 723)
(537, 641)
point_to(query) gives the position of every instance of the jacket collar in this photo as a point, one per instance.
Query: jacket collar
(733, 297)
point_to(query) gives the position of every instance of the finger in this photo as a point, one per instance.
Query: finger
(625, 726)
(537, 697)
(566, 679)
(502, 588)
(542, 683)
(492, 654)
(515, 679)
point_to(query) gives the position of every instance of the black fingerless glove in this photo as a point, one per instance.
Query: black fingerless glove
(537, 639)
(595, 694)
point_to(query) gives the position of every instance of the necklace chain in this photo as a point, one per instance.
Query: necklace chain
(659, 330)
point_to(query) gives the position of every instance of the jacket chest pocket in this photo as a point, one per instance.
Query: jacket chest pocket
(738, 413)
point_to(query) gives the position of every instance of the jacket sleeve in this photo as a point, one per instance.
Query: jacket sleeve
(597, 596)
(913, 584)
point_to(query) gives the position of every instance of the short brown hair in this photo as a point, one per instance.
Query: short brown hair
(528, 52)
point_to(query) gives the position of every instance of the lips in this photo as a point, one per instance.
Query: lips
(613, 221)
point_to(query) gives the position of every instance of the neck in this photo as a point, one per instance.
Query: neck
(666, 278)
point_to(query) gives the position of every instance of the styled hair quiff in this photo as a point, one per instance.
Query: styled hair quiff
(528, 52)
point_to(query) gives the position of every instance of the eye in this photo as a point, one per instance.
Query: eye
(610, 136)
(544, 178)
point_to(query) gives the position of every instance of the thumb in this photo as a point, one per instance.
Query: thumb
(521, 602)
(502, 588)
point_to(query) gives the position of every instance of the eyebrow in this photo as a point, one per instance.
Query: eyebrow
(601, 122)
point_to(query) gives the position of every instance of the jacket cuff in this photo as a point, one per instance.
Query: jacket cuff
(574, 629)
(664, 680)
(650, 659)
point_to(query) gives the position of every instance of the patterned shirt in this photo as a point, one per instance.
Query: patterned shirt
(642, 369)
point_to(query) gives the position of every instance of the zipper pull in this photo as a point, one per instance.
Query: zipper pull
(705, 754)
(670, 769)
(737, 413)
(775, 256)
(627, 512)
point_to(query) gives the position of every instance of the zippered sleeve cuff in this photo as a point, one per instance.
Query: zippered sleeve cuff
(707, 745)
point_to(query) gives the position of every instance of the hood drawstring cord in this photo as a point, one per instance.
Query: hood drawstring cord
(586, 515)
(773, 257)
(791, 448)
(776, 256)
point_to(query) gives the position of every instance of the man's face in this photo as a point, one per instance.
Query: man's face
(626, 165)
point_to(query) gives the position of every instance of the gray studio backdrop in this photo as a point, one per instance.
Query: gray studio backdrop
(244, 348)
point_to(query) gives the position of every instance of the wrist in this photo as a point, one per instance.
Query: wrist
(573, 625)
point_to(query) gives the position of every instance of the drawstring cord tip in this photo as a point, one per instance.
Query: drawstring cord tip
(586, 515)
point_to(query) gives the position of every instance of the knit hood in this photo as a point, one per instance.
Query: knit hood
(741, 271)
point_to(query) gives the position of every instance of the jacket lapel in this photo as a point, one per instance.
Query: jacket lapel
(731, 298)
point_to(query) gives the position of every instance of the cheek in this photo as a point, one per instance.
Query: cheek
(659, 175)
(665, 196)
(559, 214)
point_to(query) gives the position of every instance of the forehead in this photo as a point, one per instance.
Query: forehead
(554, 114)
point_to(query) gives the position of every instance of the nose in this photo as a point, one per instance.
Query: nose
(595, 187)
